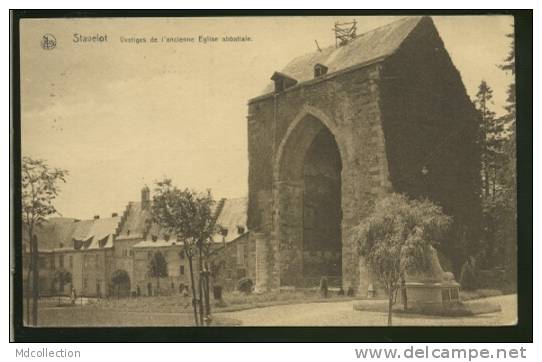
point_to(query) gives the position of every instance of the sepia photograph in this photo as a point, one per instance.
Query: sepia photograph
(255, 171)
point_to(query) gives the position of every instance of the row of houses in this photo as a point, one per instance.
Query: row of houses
(94, 250)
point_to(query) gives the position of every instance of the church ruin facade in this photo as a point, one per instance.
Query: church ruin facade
(384, 112)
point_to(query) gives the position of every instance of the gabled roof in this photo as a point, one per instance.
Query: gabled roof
(136, 221)
(368, 47)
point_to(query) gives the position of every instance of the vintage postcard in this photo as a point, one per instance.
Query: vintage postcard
(268, 171)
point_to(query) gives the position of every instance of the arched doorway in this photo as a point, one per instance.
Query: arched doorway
(308, 213)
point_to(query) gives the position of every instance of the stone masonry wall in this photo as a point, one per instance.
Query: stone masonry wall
(348, 104)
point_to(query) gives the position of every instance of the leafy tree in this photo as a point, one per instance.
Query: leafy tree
(499, 206)
(491, 140)
(509, 65)
(158, 268)
(397, 239)
(508, 171)
(62, 277)
(39, 188)
(188, 215)
(118, 278)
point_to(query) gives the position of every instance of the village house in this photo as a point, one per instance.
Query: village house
(92, 250)
(379, 112)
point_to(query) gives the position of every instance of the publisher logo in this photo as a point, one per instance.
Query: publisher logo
(48, 42)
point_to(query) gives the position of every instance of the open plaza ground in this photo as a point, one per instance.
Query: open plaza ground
(261, 311)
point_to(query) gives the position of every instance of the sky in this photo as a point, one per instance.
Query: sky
(120, 115)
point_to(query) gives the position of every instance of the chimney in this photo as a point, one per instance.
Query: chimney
(114, 214)
(96, 217)
(145, 197)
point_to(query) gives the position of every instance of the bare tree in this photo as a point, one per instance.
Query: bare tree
(39, 189)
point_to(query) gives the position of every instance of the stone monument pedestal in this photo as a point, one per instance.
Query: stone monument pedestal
(435, 288)
(441, 293)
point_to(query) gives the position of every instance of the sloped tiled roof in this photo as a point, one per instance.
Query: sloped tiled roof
(97, 230)
(232, 216)
(373, 45)
(60, 233)
(54, 233)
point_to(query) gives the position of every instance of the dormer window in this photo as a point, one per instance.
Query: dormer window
(103, 242)
(240, 230)
(282, 81)
(319, 70)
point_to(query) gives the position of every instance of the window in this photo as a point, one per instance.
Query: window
(282, 81)
(149, 255)
(131, 253)
(71, 261)
(181, 270)
(61, 260)
(182, 254)
(319, 70)
(85, 283)
(42, 262)
(103, 242)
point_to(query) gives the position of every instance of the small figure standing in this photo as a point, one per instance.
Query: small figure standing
(73, 295)
(323, 287)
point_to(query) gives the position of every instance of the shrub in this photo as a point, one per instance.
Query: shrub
(245, 285)
(217, 292)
